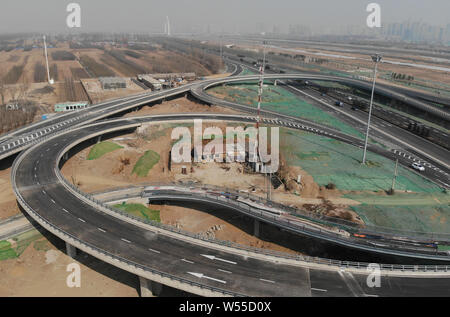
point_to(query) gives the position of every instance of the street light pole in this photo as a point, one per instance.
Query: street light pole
(395, 177)
(376, 58)
(221, 49)
(261, 83)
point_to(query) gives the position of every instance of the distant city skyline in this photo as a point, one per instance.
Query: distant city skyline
(231, 16)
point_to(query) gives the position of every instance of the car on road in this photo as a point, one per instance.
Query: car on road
(339, 103)
(418, 167)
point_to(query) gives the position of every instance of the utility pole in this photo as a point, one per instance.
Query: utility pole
(376, 59)
(50, 81)
(221, 48)
(168, 26)
(269, 195)
(261, 82)
(260, 92)
(395, 176)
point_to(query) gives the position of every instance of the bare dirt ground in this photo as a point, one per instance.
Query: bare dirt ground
(45, 96)
(41, 271)
(97, 94)
(110, 171)
(360, 64)
(313, 198)
(222, 225)
(93, 176)
(180, 105)
(8, 204)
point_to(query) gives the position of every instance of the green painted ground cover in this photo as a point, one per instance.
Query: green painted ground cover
(425, 208)
(11, 250)
(140, 210)
(101, 149)
(276, 98)
(146, 163)
(332, 161)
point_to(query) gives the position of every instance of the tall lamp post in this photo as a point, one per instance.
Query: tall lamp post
(261, 82)
(376, 59)
(258, 118)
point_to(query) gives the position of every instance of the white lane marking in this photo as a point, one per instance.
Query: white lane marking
(44, 192)
(443, 183)
(212, 257)
(53, 201)
(81, 220)
(125, 240)
(100, 229)
(65, 210)
(187, 261)
(156, 251)
(268, 281)
(224, 271)
(201, 275)
(318, 289)
(354, 287)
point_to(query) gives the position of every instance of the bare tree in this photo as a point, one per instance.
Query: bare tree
(23, 88)
(13, 91)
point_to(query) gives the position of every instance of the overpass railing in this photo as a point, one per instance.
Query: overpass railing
(348, 264)
(296, 257)
(311, 228)
(64, 235)
(352, 227)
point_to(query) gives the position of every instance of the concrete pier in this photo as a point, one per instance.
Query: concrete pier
(256, 228)
(149, 288)
(71, 250)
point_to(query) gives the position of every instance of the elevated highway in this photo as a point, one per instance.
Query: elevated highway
(435, 158)
(163, 255)
(172, 257)
(20, 139)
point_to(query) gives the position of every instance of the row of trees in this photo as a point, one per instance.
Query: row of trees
(13, 119)
(24, 112)
(63, 56)
(14, 92)
(193, 50)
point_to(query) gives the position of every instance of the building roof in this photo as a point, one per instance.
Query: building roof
(112, 80)
(78, 103)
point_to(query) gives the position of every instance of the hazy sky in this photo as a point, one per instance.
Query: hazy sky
(220, 15)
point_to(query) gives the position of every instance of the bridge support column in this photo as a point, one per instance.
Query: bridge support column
(149, 288)
(71, 250)
(256, 228)
(66, 156)
(99, 139)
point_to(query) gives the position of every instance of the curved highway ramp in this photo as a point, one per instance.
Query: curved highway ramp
(180, 261)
